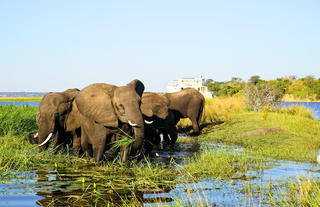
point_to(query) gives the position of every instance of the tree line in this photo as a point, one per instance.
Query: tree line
(306, 88)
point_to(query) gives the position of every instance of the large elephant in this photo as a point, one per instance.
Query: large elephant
(53, 112)
(187, 103)
(105, 109)
(158, 118)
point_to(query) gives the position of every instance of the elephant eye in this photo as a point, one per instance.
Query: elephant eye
(121, 108)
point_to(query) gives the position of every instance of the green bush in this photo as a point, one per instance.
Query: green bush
(17, 120)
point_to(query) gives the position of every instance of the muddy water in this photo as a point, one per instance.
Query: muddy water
(57, 188)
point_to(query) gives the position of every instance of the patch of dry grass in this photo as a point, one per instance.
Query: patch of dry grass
(217, 110)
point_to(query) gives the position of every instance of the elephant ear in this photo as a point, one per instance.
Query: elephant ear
(146, 109)
(160, 111)
(96, 105)
(138, 86)
(64, 108)
(73, 119)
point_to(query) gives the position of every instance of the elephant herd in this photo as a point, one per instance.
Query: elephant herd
(93, 119)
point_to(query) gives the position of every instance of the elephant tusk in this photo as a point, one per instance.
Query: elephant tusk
(36, 135)
(45, 141)
(148, 122)
(132, 124)
(169, 137)
(161, 137)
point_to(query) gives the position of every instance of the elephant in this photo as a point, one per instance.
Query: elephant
(158, 118)
(54, 110)
(187, 103)
(104, 109)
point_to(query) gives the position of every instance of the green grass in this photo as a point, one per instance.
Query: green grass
(304, 192)
(21, 99)
(17, 120)
(221, 163)
(297, 139)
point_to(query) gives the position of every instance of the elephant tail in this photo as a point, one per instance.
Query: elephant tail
(201, 112)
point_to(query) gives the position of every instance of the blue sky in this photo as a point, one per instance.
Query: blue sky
(55, 45)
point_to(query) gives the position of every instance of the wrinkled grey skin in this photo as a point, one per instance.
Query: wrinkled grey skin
(155, 109)
(53, 111)
(104, 109)
(187, 103)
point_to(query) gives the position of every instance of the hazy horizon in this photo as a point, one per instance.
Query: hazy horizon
(52, 46)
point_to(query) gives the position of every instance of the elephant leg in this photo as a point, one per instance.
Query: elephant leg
(173, 134)
(195, 125)
(57, 142)
(84, 142)
(76, 143)
(99, 142)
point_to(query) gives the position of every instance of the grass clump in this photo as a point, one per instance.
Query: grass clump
(17, 120)
(221, 164)
(304, 192)
(17, 154)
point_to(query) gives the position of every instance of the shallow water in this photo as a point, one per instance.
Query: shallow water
(43, 187)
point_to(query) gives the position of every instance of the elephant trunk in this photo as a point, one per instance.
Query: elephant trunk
(135, 120)
(139, 136)
(46, 131)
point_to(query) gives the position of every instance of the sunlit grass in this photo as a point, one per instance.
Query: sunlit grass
(21, 99)
(218, 109)
(304, 192)
(297, 137)
(297, 110)
(221, 163)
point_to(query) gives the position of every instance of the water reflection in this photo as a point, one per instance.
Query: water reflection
(67, 188)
